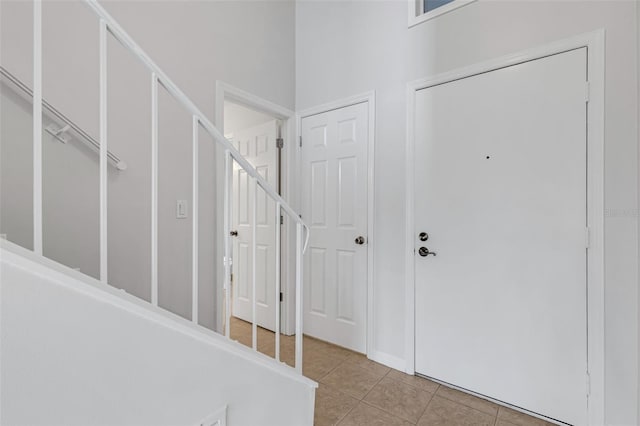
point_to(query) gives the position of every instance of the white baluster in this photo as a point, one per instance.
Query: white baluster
(227, 243)
(37, 127)
(254, 220)
(278, 285)
(154, 189)
(299, 252)
(103, 152)
(194, 218)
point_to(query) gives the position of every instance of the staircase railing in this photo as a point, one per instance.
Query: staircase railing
(109, 27)
(63, 121)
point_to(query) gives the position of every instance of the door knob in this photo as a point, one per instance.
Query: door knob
(423, 236)
(359, 240)
(233, 233)
(424, 252)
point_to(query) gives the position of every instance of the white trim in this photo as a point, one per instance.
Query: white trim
(595, 44)
(370, 99)
(383, 358)
(418, 16)
(225, 91)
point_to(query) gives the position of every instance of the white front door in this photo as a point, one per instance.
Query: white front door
(334, 205)
(500, 189)
(258, 145)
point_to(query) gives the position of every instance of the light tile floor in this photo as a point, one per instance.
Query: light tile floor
(355, 391)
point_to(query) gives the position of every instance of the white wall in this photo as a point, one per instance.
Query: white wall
(638, 210)
(77, 354)
(238, 117)
(248, 44)
(350, 47)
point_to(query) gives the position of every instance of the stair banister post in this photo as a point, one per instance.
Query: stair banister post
(37, 127)
(154, 189)
(278, 285)
(103, 152)
(227, 235)
(299, 252)
(254, 221)
(195, 251)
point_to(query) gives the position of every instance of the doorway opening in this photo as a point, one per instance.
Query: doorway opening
(262, 132)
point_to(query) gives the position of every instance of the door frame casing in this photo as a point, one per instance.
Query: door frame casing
(370, 99)
(595, 44)
(225, 91)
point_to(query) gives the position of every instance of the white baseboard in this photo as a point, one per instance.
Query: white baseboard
(389, 360)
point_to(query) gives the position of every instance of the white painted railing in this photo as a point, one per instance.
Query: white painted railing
(109, 27)
(65, 124)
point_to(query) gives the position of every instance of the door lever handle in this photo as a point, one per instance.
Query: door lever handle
(233, 233)
(424, 252)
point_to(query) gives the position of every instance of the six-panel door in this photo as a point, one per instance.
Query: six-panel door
(334, 205)
(258, 145)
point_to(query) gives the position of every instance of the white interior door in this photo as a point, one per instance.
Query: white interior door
(334, 204)
(500, 189)
(258, 145)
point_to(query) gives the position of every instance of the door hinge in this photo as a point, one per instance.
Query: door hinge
(588, 383)
(280, 143)
(587, 91)
(300, 139)
(281, 297)
(587, 237)
(231, 278)
(281, 220)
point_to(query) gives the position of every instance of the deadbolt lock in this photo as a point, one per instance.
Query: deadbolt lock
(423, 236)
(359, 240)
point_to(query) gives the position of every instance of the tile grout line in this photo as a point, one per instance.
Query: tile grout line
(386, 412)
(433, 394)
(354, 406)
(372, 387)
(331, 371)
(467, 405)
(345, 360)
(428, 403)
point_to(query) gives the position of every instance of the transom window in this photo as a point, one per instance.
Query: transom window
(423, 10)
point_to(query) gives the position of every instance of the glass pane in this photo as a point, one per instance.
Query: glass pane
(430, 5)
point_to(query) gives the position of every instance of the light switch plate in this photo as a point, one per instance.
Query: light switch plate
(181, 209)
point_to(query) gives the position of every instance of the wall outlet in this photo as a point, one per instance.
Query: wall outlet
(182, 209)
